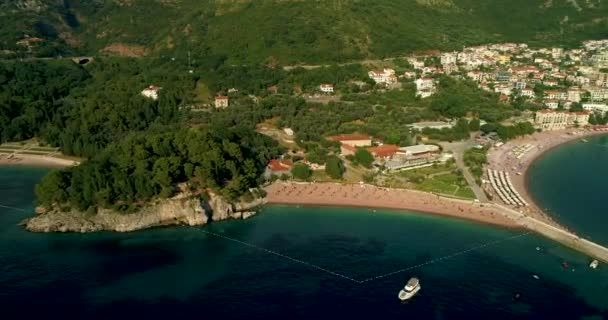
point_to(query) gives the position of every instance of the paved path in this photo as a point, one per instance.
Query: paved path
(564, 237)
(458, 148)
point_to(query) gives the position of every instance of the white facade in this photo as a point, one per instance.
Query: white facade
(221, 102)
(558, 95)
(151, 92)
(327, 88)
(449, 58)
(425, 87)
(552, 104)
(599, 107)
(556, 120)
(476, 75)
(383, 76)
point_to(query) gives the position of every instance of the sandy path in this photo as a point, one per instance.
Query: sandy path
(368, 196)
(36, 161)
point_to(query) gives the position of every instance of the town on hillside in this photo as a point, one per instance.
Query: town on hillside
(550, 89)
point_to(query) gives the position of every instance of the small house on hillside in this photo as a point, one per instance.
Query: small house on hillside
(278, 167)
(151, 92)
(221, 101)
(327, 87)
(354, 140)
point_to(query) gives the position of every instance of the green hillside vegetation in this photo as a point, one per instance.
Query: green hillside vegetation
(291, 31)
(143, 166)
(81, 109)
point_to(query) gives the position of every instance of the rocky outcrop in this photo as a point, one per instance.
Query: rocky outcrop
(180, 210)
(222, 210)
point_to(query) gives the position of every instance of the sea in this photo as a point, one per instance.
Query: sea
(293, 262)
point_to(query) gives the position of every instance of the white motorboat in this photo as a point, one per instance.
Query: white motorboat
(594, 264)
(411, 288)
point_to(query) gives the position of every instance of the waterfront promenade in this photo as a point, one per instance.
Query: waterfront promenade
(557, 234)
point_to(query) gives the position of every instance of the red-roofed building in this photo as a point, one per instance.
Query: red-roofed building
(278, 165)
(354, 140)
(221, 102)
(386, 151)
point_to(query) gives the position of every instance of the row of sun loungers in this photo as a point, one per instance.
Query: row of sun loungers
(520, 151)
(501, 183)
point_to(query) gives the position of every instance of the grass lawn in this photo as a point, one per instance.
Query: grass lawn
(437, 186)
(442, 178)
(466, 192)
(202, 93)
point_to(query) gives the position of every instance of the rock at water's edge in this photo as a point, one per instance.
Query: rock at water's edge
(175, 211)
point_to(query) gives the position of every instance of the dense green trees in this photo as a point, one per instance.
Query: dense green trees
(32, 95)
(143, 166)
(301, 171)
(296, 31)
(83, 110)
(475, 159)
(474, 125)
(598, 118)
(363, 157)
(334, 167)
(519, 129)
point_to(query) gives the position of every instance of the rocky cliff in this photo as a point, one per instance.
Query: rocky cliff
(180, 210)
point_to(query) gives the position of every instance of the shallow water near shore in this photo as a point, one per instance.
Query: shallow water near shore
(570, 183)
(185, 272)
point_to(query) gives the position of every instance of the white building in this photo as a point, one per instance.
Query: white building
(574, 94)
(449, 57)
(450, 68)
(386, 76)
(552, 104)
(556, 120)
(424, 83)
(596, 107)
(221, 102)
(327, 88)
(288, 131)
(527, 92)
(598, 93)
(519, 85)
(425, 87)
(476, 75)
(555, 94)
(503, 89)
(151, 92)
(431, 125)
(417, 64)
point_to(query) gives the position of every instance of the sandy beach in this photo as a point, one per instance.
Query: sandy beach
(502, 159)
(368, 196)
(36, 161)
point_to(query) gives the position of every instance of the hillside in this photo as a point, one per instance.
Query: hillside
(291, 30)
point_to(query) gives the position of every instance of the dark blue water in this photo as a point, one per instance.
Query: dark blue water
(185, 273)
(571, 182)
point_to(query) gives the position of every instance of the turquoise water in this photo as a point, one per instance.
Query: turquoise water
(184, 272)
(571, 183)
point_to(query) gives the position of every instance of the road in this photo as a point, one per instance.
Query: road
(363, 62)
(458, 148)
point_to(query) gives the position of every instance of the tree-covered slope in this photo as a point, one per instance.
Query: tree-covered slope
(295, 30)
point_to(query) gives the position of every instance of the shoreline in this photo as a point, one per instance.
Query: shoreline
(346, 195)
(370, 197)
(543, 142)
(40, 161)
